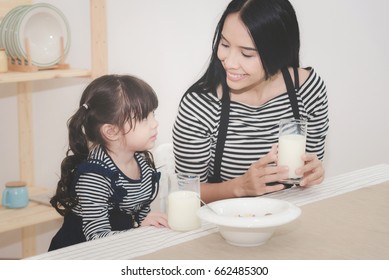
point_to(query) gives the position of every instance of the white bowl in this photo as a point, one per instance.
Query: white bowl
(6, 29)
(249, 221)
(43, 25)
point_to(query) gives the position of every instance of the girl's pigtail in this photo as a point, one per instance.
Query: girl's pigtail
(148, 156)
(64, 199)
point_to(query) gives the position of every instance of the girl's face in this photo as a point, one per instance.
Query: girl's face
(239, 56)
(143, 134)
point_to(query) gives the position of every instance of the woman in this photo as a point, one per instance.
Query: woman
(226, 129)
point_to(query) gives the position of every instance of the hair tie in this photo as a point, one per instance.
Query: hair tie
(85, 106)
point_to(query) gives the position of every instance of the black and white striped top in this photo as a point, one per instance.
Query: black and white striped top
(94, 192)
(251, 130)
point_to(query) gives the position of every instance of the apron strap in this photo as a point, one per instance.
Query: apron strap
(221, 137)
(292, 90)
(155, 179)
(296, 78)
(90, 167)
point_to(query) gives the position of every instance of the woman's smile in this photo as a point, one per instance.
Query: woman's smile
(235, 77)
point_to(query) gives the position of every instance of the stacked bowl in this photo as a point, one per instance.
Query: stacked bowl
(40, 32)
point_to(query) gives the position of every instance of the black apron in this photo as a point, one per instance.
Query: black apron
(224, 118)
(71, 231)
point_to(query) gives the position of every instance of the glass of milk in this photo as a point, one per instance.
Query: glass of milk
(183, 201)
(291, 147)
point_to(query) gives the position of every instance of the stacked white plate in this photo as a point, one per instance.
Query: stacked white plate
(43, 26)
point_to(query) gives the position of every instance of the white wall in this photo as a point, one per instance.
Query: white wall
(168, 44)
(347, 42)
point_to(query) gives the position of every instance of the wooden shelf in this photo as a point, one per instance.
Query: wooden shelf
(14, 77)
(27, 218)
(35, 213)
(24, 80)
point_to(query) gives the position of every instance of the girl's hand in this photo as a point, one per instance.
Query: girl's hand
(155, 219)
(261, 173)
(312, 171)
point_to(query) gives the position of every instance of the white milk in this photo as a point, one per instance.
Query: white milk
(290, 149)
(182, 210)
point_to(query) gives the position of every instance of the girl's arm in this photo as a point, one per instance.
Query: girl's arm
(155, 219)
(93, 193)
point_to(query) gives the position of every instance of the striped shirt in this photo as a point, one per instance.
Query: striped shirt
(94, 194)
(251, 130)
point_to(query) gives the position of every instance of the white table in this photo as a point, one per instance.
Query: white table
(343, 194)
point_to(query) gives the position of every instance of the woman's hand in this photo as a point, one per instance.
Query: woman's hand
(261, 173)
(312, 171)
(155, 219)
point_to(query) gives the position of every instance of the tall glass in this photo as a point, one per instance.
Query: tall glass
(291, 147)
(183, 202)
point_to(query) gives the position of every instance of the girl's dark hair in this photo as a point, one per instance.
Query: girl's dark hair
(274, 28)
(109, 99)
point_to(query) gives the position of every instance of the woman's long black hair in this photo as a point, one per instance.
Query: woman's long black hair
(109, 99)
(274, 28)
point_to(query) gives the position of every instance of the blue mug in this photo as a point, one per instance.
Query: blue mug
(15, 195)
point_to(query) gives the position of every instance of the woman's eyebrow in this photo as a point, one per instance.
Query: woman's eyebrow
(242, 47)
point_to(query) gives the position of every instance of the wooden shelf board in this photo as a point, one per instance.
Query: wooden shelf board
(13, 77)
(33, 214)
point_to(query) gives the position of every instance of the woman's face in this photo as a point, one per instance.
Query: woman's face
(239, 56)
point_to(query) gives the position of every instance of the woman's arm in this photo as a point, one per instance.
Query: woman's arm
(314, 95)
(193, 136)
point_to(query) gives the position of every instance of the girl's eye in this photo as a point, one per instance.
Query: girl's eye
(151, 114)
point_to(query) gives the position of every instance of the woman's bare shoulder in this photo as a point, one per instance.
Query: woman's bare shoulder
(304, 74)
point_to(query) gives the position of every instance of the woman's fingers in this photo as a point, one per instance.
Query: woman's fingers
(269, 158)
(312, 171)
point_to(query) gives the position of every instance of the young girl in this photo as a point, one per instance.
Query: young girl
(108, 178)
